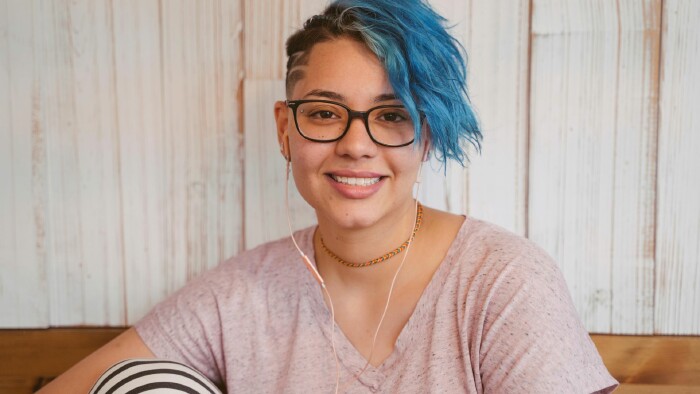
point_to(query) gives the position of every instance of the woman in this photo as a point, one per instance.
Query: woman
(388, 295)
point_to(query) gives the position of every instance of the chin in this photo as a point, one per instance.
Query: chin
(355, 217)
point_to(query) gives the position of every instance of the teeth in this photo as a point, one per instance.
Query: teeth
(355, 181)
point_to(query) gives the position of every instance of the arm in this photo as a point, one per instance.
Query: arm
(81, 377)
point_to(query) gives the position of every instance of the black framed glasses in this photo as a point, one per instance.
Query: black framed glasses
(328, 121)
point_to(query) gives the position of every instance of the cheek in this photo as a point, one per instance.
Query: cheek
(306, 156)
(408, 164)
(307, 160)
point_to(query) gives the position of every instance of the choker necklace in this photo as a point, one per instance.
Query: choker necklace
(387, 256)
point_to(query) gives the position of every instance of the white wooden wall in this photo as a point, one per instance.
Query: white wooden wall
(121, 156)
(138, 148)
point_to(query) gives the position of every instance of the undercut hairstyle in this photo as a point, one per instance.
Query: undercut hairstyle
(426, 65)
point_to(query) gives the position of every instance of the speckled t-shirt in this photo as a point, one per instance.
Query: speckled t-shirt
(495, 318)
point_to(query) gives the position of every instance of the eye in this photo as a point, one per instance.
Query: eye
(393, 117)
(317, 111)
(322, 114)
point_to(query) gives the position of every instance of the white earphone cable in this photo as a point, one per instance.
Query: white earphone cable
(317, 276)
(391, 290)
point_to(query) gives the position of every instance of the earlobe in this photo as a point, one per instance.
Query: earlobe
(281, 120)
(284, 148)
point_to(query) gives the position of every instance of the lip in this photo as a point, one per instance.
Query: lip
(355, 191)
(355, 174)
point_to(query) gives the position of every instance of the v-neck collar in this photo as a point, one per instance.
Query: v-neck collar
(348, 356)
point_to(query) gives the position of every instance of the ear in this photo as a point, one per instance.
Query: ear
(282, 122)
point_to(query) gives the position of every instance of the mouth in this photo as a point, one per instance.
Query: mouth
(355, 181)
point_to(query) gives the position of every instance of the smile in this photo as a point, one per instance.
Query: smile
(355, 181)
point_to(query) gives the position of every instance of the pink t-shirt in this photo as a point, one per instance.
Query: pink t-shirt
(495, 318)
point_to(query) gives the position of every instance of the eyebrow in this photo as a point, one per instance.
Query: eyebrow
(339, 97)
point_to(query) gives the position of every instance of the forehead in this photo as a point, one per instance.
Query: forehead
(344, 66)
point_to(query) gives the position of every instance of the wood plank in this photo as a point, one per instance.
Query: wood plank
(652, 360)
(265, 56)
(592, 170)
(636, 135)
(140, 95)
(85, 249)
(499, 65)
(31, 358)
(265, 215)
(27, 353)
(138, 91)
(22, 171)
(203, 159)
(498, 62)
(627, 388)
(678, 243)
(15, 385)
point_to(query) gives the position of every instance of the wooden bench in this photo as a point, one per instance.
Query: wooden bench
(652, 364)
(643, 364)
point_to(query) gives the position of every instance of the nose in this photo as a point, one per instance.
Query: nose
(356, 143)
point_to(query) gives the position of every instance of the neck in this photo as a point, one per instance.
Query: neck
(359, 245)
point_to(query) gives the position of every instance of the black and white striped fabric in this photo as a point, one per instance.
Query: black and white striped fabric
(152, 376)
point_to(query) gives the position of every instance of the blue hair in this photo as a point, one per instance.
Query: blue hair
(425, 64)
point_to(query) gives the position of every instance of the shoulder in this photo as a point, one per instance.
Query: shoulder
(495, 238)
(268, 265)
(508, 279)
(491, 249)
(237, 286)
(497, 270)
(518, 304)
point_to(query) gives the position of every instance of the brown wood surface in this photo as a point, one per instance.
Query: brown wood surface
(31, 358)
(643, 364)
(651, 360)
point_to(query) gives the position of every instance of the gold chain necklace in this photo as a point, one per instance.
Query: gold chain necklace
(387, 256)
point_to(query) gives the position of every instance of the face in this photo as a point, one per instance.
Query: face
(346, 71)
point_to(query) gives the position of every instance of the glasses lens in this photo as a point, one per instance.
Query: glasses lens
(321, 121)
(391, 126)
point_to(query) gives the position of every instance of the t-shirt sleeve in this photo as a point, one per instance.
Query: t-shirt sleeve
(532, 339)
(186, 327)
